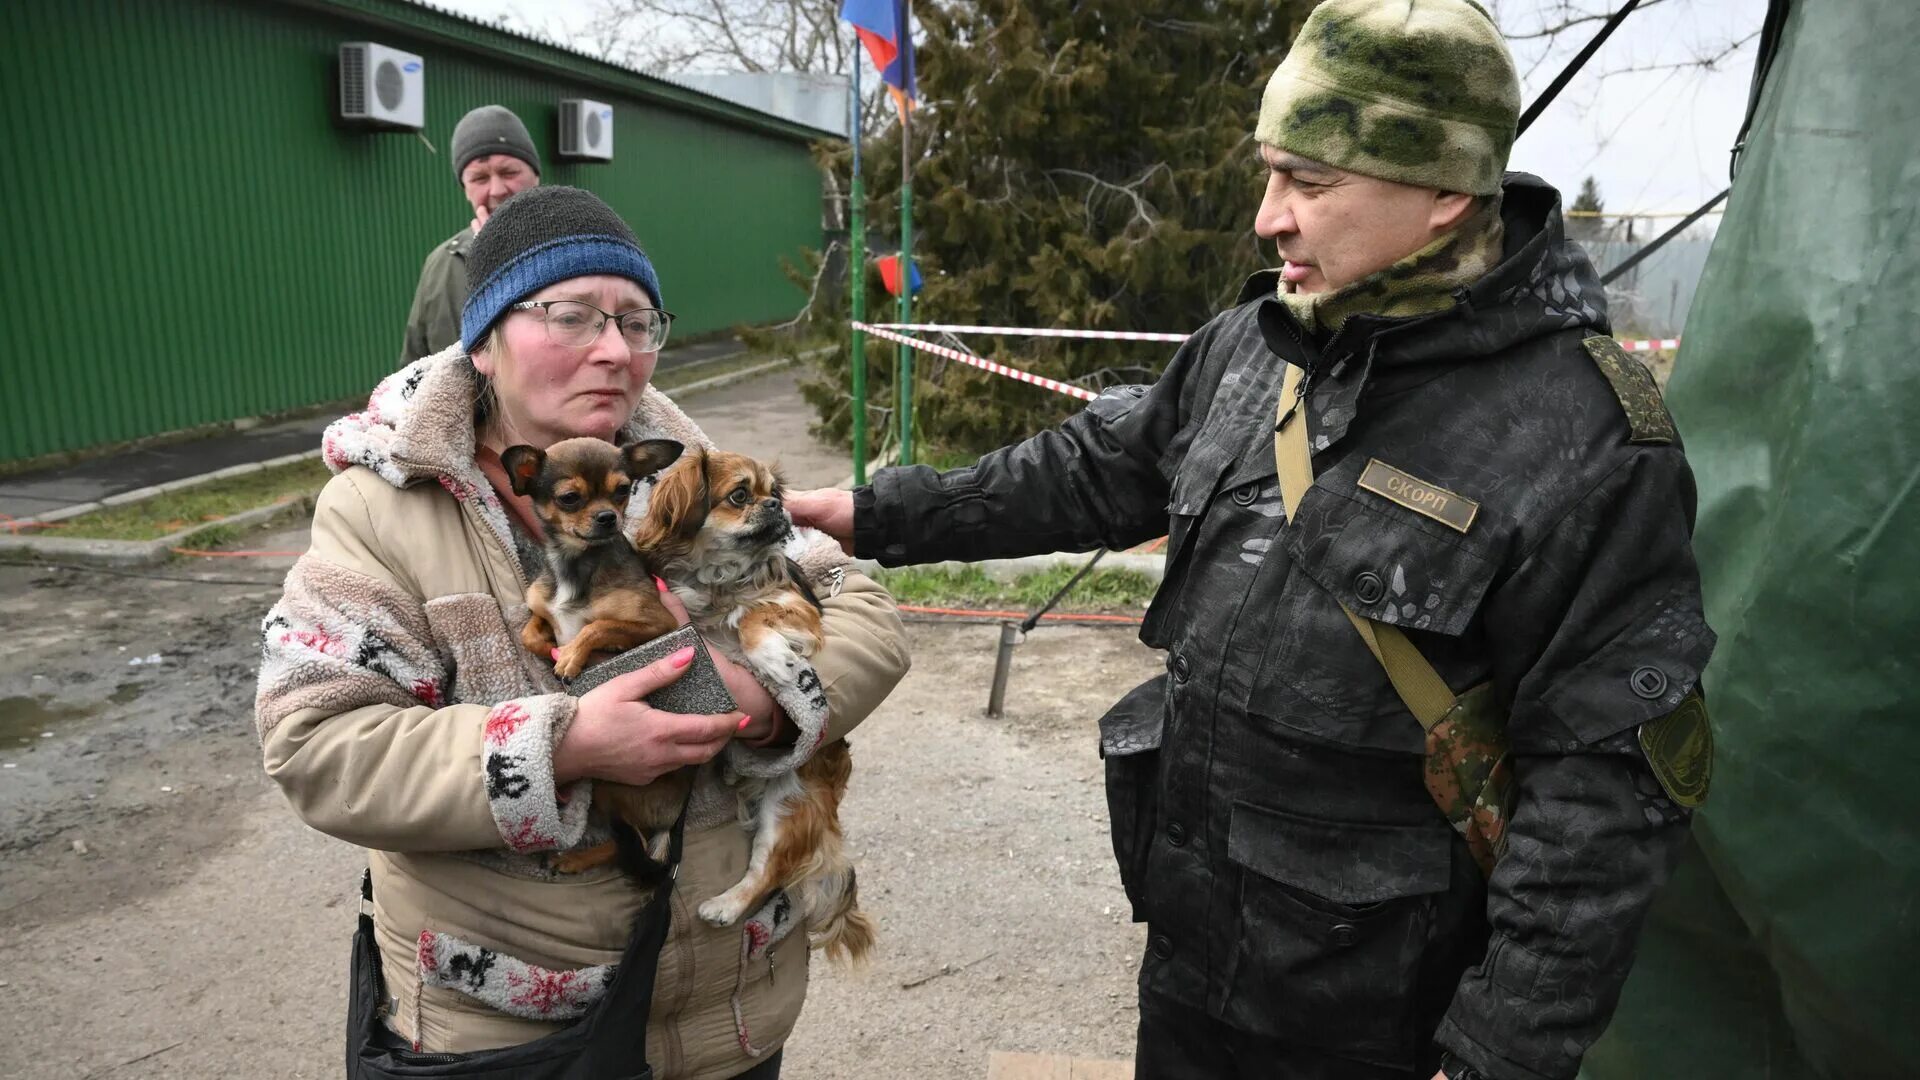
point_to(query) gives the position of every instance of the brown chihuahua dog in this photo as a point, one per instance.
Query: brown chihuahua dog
(598, 594)
(716, 528)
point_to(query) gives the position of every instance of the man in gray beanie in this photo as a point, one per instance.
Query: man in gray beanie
(1430, 733)
(493, 157)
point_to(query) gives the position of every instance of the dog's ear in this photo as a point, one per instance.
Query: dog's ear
(677, 508)
(700, 504)
(523, 465)
(649, 456)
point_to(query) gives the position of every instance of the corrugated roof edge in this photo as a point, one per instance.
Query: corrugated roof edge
(420, 17)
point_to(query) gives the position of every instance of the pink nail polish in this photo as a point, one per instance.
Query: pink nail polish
(682, 658)
(744, 721)
(659, 583)
(553, 654)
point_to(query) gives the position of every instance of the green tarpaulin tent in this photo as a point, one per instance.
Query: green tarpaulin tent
(1789, 943)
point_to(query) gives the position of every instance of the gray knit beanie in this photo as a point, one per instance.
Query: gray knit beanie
(491, 129)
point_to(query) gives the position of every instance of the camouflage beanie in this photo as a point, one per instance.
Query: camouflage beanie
(1419, 91)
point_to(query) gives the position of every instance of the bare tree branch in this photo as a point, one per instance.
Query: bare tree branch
(1559, 16)
(1705, 63)
(1108, 376)
(813, 293)
(724, 35)
(1142, 210)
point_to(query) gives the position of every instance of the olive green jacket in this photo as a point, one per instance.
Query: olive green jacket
(433, 323)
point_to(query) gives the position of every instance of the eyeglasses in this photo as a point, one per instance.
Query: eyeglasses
(578, 324)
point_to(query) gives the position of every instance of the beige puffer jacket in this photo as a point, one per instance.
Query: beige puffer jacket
(397, 711)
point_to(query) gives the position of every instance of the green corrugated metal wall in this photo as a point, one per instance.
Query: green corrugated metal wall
(190, 238)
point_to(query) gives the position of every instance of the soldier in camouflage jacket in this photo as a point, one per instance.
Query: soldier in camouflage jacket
(1494, 477)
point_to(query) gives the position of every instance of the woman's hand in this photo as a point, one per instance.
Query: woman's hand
(764, 715)
(616, 735)
(828, 509)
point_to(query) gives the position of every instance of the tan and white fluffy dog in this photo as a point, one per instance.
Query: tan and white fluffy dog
(716, 530)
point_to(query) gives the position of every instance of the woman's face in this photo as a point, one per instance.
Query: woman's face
(549, 392)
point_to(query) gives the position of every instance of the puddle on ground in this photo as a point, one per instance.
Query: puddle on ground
(22, 719)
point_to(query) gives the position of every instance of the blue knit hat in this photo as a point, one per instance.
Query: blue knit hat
(541, 236)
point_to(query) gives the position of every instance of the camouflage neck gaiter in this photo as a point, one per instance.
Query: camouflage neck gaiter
(1420, 284)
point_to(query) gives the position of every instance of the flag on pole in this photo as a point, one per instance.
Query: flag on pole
(889, 267)
(882, 27)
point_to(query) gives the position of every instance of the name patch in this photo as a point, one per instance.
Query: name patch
(1453, 511)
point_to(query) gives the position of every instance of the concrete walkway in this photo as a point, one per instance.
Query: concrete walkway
(766, 417)
(31, 494)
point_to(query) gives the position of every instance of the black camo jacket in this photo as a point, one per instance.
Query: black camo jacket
(1270, 815)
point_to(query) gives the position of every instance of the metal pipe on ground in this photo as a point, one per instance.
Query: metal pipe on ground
(1010, 636)
(1012, 633)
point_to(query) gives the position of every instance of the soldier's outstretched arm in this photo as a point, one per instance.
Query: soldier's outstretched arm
(1601, 640)
(1098, 480)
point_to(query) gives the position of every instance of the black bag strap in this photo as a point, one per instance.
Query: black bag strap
(618, 1024)
(609, 1043)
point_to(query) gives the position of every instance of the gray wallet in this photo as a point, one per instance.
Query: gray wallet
(700, 690)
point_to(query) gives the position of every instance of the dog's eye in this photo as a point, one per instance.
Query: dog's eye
(740, 497)
(568, 501)
(620, 493)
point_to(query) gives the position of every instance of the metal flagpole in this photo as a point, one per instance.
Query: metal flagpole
(857, 279)
(906, 239)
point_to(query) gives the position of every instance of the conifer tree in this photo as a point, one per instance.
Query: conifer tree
(1076, 165)
(1588, 201)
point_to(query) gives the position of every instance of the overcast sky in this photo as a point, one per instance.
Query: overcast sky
(1656, 140)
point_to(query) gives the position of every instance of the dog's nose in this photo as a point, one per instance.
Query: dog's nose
(772, 502)
(606, 519)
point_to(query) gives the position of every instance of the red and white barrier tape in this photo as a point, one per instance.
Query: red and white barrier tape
(1629, 344)
(979, 362)
(886, 330)
(1025, 331)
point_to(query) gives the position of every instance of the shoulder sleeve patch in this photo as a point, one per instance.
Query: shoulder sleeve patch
(1679, 746)
(1632, 383)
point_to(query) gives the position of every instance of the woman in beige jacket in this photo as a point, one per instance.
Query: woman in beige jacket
(398, 711)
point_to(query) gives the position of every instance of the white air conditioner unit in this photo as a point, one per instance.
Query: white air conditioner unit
(586, 129)
(382, 87)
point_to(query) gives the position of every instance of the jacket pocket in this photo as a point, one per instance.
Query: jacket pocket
(1392, 568)
(485, 662)
(1191, 493)
(1316, 673)
(1335, 919)
(1130, 735)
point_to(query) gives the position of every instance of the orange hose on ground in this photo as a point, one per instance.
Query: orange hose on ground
(1052, 617)
(14, 524)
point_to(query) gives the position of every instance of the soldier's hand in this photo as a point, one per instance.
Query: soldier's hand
(829, 509)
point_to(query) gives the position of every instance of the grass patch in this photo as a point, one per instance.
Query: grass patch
(942, 459)
(176, 510)
(1102, 590)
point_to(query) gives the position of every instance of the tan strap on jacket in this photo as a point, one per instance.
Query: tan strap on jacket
(1420, 687)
